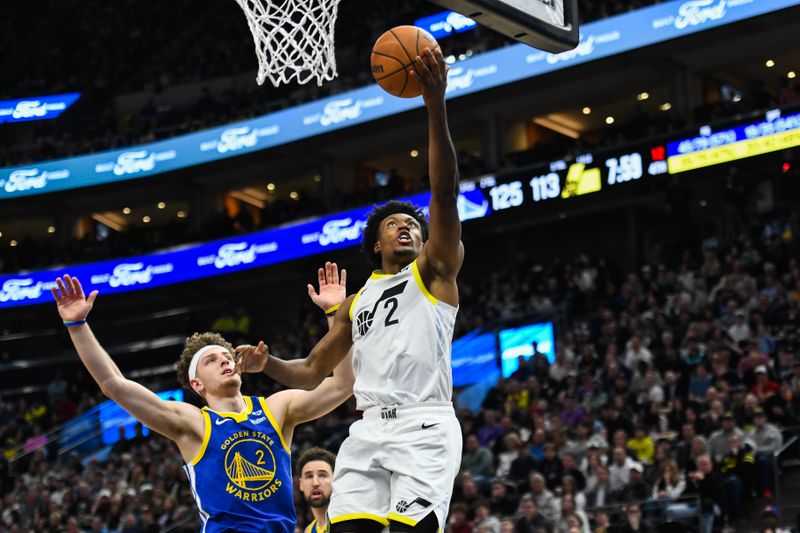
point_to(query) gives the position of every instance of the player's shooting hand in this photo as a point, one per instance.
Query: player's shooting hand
(332, 287)
(251, 359)
(71, 303)
(430, 71)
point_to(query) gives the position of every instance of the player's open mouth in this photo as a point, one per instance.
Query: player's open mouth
(227, 372)
(404, 238)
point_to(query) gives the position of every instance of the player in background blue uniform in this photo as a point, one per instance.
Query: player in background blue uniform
(237, 449)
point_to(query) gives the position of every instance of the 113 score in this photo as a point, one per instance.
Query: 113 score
(512, 194)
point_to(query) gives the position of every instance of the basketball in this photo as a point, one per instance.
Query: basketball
(393, 56)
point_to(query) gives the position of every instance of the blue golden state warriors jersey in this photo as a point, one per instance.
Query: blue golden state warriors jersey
(242, 476)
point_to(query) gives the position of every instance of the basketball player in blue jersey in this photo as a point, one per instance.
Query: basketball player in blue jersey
(398, 465)
(237, 449)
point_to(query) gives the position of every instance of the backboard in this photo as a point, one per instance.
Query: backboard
(550, 25)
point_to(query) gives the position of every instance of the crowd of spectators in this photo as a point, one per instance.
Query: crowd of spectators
(669, 392)
(141, 45)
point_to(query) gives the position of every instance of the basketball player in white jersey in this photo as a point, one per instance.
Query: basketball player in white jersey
(398, 464)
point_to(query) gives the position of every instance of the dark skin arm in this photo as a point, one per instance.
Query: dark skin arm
(443, 254)
(309, 372)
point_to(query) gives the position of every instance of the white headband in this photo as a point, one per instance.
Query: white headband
(198, 354)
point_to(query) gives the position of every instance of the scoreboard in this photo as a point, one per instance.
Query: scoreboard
(562, 179)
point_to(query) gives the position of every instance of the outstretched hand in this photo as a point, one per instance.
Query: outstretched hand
(430, 71)
(332, 287)
(251, 359)
(71, 303)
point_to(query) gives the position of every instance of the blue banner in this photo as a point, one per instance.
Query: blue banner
(36, 107)
(218, 257)
(518, 342)
(474, 357)
(774, 123)
(615, 35)
(445, 24)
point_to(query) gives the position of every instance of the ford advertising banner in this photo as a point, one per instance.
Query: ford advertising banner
(36, 107)
(219, 257)
(644, 27)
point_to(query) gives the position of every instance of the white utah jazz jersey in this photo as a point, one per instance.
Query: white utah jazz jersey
(402, 337)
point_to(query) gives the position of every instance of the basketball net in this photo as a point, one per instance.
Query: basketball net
(293, 38)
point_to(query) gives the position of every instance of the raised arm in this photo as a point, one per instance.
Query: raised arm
(180, 422)
(329, 352)
(443, 253)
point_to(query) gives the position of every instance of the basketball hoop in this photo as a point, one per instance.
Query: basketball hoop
(293, 38)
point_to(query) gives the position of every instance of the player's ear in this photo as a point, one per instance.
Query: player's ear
(377, 247)
(197, 386)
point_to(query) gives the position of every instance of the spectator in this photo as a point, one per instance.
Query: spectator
(458, 522)
(736, 467)
(600, 495)
(636, 489)
(487, 435)
(477, 460)
(531, 520)
(502, 502)
(719, 443)
(708, 485)
(637, 353)
(641, 446)
(633, 520)
(619, 470)
(550, 466)
(484, 517)
(545, 501)
(767, 439)
(523, 464)
(670, 485)
(740, 330)
(570, 468)
(764, 387)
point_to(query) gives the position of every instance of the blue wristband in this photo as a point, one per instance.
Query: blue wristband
(72, 323)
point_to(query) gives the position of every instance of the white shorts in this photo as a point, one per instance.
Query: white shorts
(398, 463)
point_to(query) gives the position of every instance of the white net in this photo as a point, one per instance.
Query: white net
(293, 38)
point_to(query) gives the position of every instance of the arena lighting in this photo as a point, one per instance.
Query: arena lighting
(248, 198)
(786, 167)
(770, 63)
(161, 205)
(51, 229)
(666, 106)
(317, 178)
(294, 195)
(609, 120)
(414, 153)
(586, 110)
(791, 75)
(146, 219)
(13, 243)
(271, 187)
(110, 220)
(557, 127)
(643, 96)
(181, 214)
(126, 210)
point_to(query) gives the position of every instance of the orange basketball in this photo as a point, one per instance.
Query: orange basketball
(394, 53)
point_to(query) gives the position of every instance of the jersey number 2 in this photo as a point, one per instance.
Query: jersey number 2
(393, 303)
